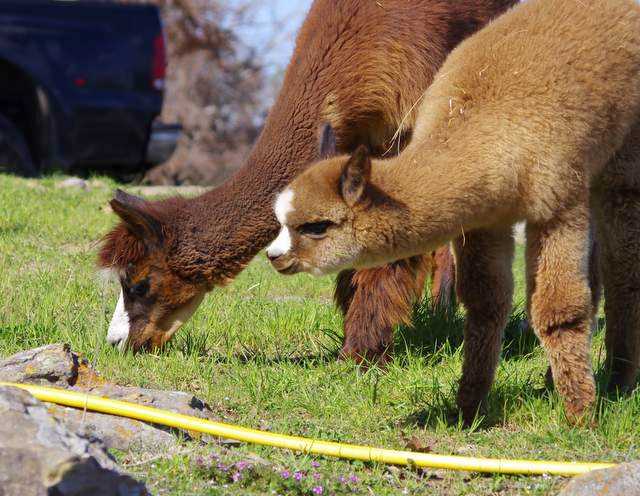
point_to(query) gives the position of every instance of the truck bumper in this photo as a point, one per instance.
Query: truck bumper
(162, 142)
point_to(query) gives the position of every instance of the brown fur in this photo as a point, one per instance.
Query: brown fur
(354, 68)
(442, 271)
(535, 118)
(394, 288)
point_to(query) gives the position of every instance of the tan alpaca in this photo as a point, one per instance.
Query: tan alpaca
(530, 119)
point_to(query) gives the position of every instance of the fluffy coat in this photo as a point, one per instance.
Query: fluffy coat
(535, 118)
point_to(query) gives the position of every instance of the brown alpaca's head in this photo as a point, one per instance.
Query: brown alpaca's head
(155, 299)
(333, 218)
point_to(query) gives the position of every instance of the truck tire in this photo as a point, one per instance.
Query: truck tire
(15, 156)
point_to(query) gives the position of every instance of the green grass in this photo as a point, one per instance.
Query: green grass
(262, 353)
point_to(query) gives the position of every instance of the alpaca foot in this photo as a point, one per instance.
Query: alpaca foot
(471, 404)
(579, 401)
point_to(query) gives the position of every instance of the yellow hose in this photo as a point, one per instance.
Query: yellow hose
(305, 445)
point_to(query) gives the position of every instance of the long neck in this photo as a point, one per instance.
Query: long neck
(442, 199)
(228, 226)
(238, 216)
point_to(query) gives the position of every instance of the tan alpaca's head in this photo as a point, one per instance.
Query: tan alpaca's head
(332, 218)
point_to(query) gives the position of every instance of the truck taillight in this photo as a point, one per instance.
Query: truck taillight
(159, 68)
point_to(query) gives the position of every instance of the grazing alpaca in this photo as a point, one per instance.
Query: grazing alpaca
(354, 68)
(534, 118)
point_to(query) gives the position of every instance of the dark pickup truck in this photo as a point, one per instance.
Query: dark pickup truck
(81, 86)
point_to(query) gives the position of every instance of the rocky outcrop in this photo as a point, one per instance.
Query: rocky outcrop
(56, 365)
(622, 480)
(40, 455)
(52, 365)
(124, 434)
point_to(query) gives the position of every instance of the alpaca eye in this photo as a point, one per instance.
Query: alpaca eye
(315, 229)
(140, 289)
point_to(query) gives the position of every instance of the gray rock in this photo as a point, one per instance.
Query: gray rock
(125, 434)
(623, 480)
(116, 432)
(52, 365)
(40, 456)
(57, 365)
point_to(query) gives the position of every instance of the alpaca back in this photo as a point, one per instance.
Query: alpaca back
(550, 86)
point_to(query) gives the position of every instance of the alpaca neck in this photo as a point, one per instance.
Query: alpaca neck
(442, 199)
(235, 221)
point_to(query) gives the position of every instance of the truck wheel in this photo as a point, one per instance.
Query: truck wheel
(15, 157)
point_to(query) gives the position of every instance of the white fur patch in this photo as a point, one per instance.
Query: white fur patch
(119, 326)
(284, 205)
(281, 245)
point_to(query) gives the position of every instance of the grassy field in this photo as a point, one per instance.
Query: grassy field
(262, 353)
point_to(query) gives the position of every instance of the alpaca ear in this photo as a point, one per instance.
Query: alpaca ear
(139, 221)
(128, 198)
(356, 174)
(328, 146)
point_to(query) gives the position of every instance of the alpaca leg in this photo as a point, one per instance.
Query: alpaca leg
(374, 301)
(595, 285)
(617, 207)
(619, 226)
(595, 277)
(443, 278)
(344, 290)
(485, 287)
(559, 303)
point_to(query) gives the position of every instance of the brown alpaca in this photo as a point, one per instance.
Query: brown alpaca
(359, 65)
(534, 118)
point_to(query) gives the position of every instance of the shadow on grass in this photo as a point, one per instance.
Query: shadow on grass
(12, 229)
(505, 396)
(519, 342)
(259, 358)
(197, 344)
(603, 376)
(438, 333)
(438, 329)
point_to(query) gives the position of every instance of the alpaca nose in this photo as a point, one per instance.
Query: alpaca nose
(280, 246)
(117, 342)
(273, 255)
